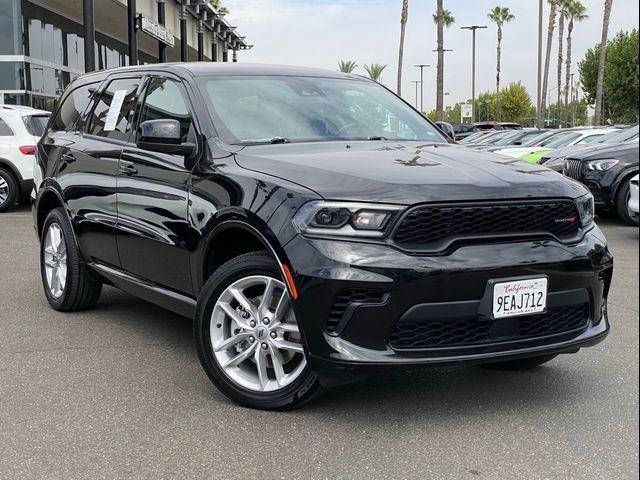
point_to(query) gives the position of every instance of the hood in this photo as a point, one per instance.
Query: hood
(404, 172)
(625, 152)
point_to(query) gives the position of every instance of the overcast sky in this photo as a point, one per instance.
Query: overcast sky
(319, 33)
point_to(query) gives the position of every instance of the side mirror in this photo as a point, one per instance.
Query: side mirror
(517, 143)
(163, 136)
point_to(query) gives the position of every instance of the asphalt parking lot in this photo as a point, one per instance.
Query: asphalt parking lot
(118, 392)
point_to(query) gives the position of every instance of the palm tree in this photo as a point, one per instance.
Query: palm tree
(576, 12)
(562, 15)
(404, 15)
(347, 66)
(442, 18)
(603, 53)
(499, 16)
(547, 60)
(375, 71)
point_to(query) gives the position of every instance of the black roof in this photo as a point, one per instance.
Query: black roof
(198, 69)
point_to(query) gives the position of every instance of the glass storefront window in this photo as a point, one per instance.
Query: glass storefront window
(10, 27)
(12, 76)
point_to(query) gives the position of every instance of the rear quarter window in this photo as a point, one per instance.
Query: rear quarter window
(68, 114)
(5, 130)
(35, 124)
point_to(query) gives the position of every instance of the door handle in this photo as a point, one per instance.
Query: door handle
(128, 169)
(67, 158)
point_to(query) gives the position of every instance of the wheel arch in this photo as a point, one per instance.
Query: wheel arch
(622, 177)
(243, 237)
(10, 167)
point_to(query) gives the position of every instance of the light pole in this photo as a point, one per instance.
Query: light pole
(422, 66)
(473, 29)
(416, 82)
(540, 100)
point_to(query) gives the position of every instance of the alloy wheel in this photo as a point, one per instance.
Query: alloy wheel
(4, 190)
(254, 335)
(55, 260)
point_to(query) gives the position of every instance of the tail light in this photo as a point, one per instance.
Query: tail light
(28, 150)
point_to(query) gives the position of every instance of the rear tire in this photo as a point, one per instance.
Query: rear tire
(8, 190)
(622, 205)
(67, 283)
(250, 348)
(521, 363)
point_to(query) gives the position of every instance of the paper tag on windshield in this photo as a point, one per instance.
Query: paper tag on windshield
(114, 110)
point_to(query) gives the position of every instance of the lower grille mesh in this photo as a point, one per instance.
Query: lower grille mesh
(475, 331)
(349, 297)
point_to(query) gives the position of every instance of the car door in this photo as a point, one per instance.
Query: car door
(153, 191)
(88, 167)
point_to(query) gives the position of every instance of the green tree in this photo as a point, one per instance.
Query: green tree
(347, 66)
(621, 81)
(404, 16)
(575, 114)
(374, 71)
(442, 18)
(499, 16)
(516, 103)
(486, 106)
(217, 4)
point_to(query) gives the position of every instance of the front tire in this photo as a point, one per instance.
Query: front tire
(8, 190)
(521, 363)
(622, 204)
(248, 339)
(67, 283)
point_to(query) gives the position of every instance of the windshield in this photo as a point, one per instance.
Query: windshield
(619, 135)
(544, 139)
(35, 124)
(562, 140)
(258, 109)
(509, 139)
(492, 138)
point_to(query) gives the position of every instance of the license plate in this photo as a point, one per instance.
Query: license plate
(519, 297)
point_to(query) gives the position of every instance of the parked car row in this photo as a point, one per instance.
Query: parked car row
(604, 159)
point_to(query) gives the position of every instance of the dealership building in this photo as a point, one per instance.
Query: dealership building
(45, 44)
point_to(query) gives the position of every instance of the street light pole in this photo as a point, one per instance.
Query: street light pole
(540, 120)
(473, 29)
(416, 82)
(422, 66)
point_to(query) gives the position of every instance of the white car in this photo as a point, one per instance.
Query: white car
(633, 196)
(565, 139)
(20, 130)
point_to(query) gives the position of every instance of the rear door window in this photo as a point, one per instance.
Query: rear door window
(72, 106)
(113, 113)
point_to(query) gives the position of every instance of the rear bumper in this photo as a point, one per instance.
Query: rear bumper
(445, 288)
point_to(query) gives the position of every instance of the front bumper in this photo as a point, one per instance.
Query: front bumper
(442, 286)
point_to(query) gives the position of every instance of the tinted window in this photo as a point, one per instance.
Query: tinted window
(72, 106)
(36, 124)
(5, 130)
(113, 113)
(164, 100)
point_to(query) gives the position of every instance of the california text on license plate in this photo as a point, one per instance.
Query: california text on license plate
(519, 297)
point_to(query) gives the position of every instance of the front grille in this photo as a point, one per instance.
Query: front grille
(470, 332)
(572, 168)
(346, 298)
(431, 225)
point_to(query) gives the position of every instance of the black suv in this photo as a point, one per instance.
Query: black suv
(607, 171)
(316, 228)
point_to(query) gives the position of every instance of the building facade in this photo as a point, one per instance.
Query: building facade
(45, 44)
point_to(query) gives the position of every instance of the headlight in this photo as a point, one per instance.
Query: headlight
(585, 209)
(345, 219)
(602, 165)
